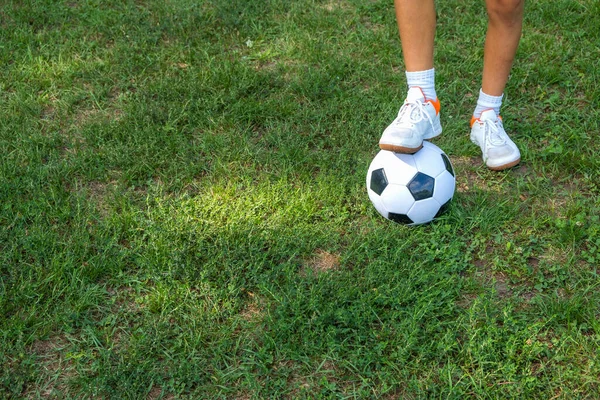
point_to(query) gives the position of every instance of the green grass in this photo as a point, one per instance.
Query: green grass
(184, 213)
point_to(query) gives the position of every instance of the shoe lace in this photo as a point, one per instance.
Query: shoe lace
(494, 132)
(413, 112)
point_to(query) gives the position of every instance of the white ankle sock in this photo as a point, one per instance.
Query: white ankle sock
(425, 80)
(486, 102)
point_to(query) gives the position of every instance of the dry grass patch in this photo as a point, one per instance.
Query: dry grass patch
(55, 367)
(105, 112)
(157, 393)
(487, 277)
(321, 261)
(333, 5)
(85, 116)
(304, 381)
(125, 299)
(254, 310)
(99, 193)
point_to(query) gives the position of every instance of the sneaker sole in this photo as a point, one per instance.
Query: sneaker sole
(411, 150)
(505, 166)
(400, 149)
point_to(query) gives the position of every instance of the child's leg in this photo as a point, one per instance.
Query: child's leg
(416, 23)
(505, 19)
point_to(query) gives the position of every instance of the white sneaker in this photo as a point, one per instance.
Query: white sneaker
(417, 120)
(498, 151)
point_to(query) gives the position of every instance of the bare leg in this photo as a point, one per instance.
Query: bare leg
(505, 21)
(416, 23)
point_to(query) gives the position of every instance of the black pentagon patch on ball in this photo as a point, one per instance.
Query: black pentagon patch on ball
(378, 181)
(400, 218)
(447, 164)
(421, 186)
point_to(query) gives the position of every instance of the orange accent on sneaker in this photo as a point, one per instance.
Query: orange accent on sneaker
(436, 104)
(473, 119)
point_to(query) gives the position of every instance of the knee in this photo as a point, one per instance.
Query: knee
(505, 11)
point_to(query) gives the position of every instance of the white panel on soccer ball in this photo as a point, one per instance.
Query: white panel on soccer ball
(429, 160)
(444, 187)
(424, 210)
(397, 199)
(378, 203)
(401, 169)
(380, 160)
(406, 158)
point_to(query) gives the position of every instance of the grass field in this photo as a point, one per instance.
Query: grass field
(184, 211)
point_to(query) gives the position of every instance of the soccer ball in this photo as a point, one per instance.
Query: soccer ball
(411, 189)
